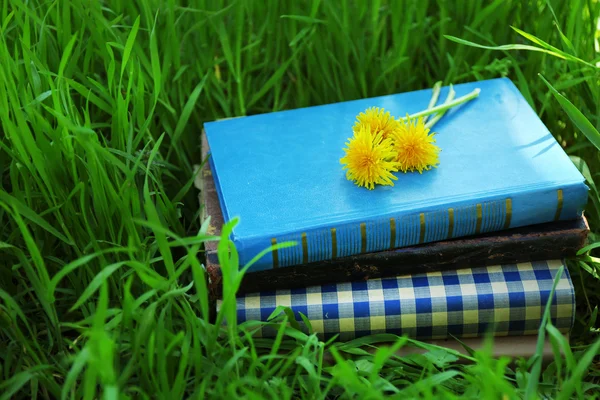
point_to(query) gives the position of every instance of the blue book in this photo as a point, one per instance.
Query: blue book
(280, 173)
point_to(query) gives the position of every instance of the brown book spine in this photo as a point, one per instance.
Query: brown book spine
(542, 242)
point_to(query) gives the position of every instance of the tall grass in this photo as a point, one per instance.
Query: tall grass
(102, 291)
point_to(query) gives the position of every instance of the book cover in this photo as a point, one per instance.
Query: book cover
(505, 299)
(280, 173)
(551, 240)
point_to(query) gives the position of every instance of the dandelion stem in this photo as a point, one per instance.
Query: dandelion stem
(444, 107)
(438, 116)
(435, 94)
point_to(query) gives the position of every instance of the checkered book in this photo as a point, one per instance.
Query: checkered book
(508, 299)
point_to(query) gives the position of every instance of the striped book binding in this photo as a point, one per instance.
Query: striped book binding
(507, 299)
(396, 232)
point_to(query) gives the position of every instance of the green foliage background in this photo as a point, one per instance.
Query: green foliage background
(102, 294)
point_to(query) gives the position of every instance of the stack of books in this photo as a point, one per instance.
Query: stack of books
(466, 248)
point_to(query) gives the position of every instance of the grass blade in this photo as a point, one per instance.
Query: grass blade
(65, 56)
(129, 45)
(15, 383)
(33, 216)
(582, 368)
(576, 116)
(187, 112)
(532, 386)
(96, 283)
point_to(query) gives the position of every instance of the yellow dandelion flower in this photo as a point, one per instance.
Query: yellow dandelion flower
(369, 159)
(378, 120)
(415, 146)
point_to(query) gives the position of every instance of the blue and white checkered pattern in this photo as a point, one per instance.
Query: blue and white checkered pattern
(510, 299)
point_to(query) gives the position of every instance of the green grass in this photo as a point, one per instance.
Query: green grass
(102, 292)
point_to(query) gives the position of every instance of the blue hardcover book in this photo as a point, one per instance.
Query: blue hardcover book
(280, 173)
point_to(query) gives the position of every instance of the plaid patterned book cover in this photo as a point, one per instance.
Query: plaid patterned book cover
(510, 299)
